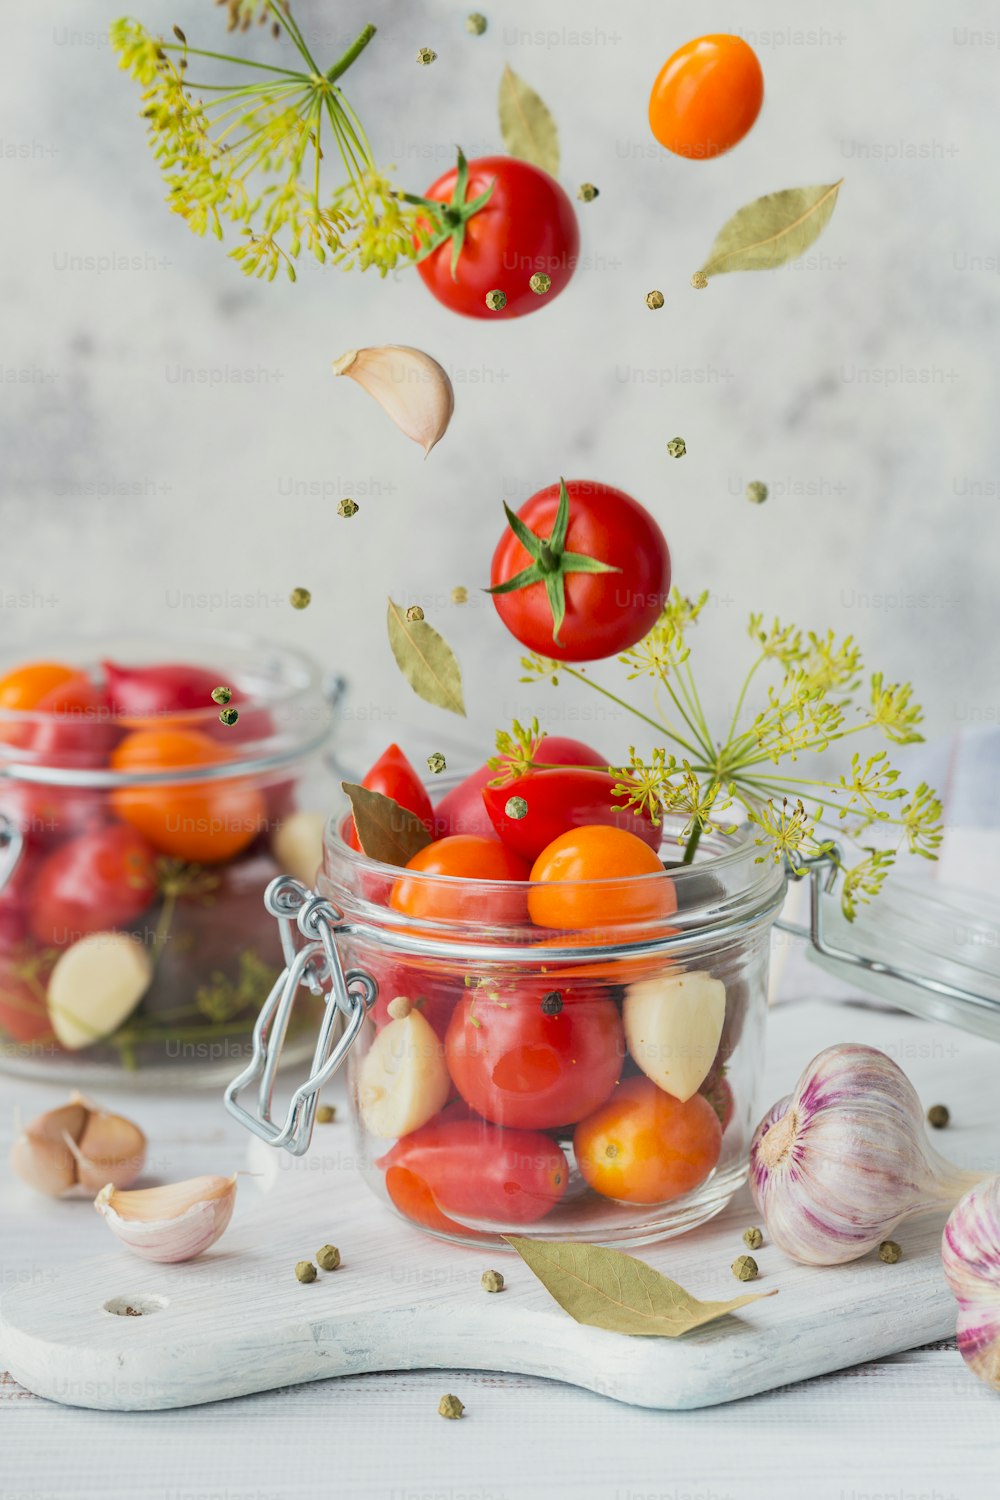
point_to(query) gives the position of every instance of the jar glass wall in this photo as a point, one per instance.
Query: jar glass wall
(594, 1083)
(140, 840)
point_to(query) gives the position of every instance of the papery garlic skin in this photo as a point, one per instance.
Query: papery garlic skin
(970, 1254)
(172, 1223)
(77, 1147)
(410, 386)
(836, 1165)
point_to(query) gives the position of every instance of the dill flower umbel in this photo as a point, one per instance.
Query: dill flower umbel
(247, 152)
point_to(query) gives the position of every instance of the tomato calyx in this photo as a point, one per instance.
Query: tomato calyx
(550, 562)
(451, 218)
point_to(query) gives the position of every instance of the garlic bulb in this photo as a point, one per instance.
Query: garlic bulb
(410, 386)
(970, 1253)
(836, 1165)
(77, 1147)
(174, 1222)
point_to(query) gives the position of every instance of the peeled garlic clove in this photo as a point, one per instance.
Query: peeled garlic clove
(297, 844)
(410, 386)
(110, 1150)
(171, 1223)
(836, 1165)
(673, 1025)
(403, 1080)
(41, 1157)
(95, 986)
(970, 1254)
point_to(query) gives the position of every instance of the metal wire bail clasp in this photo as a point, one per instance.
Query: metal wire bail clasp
(314, 966)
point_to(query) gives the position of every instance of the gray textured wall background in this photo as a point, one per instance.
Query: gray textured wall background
(859, 385)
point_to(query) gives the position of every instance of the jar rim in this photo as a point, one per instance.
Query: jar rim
(752, 893)
(295, 681)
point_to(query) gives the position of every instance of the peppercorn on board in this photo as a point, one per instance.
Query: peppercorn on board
(238, 1320)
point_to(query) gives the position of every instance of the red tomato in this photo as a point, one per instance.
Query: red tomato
(48, 814)
(464, 858)
(467, 1169)
(79, 730)
(645, 1146)
(24, 1015)
(526, 225)
(434, 994)
(600, 862)
(166, 688)
(706, 96)
(544, 583)
(97, 882)
(558, 801)
(535, 1057)
(462, 810)
(394, 776)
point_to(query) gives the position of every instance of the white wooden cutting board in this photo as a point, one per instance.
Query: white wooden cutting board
(237, 1321)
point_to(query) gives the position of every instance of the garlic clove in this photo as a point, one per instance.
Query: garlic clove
(111, 1149)
(673, 1025)
(171, 1223)
(41, 1157)
(297, 844)
(970, 1255)
(410, 386)
(95, 986)
(403, 1080)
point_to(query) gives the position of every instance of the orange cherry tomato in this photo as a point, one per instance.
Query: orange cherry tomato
(706, 97)
(644, 1146)
(465, 857)
(206, 822)
(26, 686)
(603, 857)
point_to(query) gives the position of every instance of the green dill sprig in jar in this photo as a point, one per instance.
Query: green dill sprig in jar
(243, 146)
(700, 776)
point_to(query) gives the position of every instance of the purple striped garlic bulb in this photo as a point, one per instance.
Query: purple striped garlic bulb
(970, 1253)
(836, 1165)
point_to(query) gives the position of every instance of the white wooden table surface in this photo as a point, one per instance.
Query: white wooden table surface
(913, 1427)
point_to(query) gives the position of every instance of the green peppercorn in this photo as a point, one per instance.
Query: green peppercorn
(655, 300)
(587, 192)
(491, 1281)
(753, 1238)
(436, 763)
(348, 508)
(305, 1271)
(326, 1114)
(889, 1252)
(540, 283)
(414, 613)
(699, 281)
(938, 1116)
(300, 598)
(328, 1257)
(677, 447)
(744, 1268)
(229, 715)
(756, 492)
(460, 594)
(496, 300)
(451, 1407)
(475, 23)
(221, 694)
(426, 55)
(516, 808)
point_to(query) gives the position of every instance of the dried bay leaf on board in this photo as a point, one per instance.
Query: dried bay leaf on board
(772, 230)
(386, 831)
(527, 127)
(426, 661)
(607, 1289)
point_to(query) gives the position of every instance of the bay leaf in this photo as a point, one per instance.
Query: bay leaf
(607, 1289)
(772, 230)
(386, 831)
(426, 661)
(526, 125)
